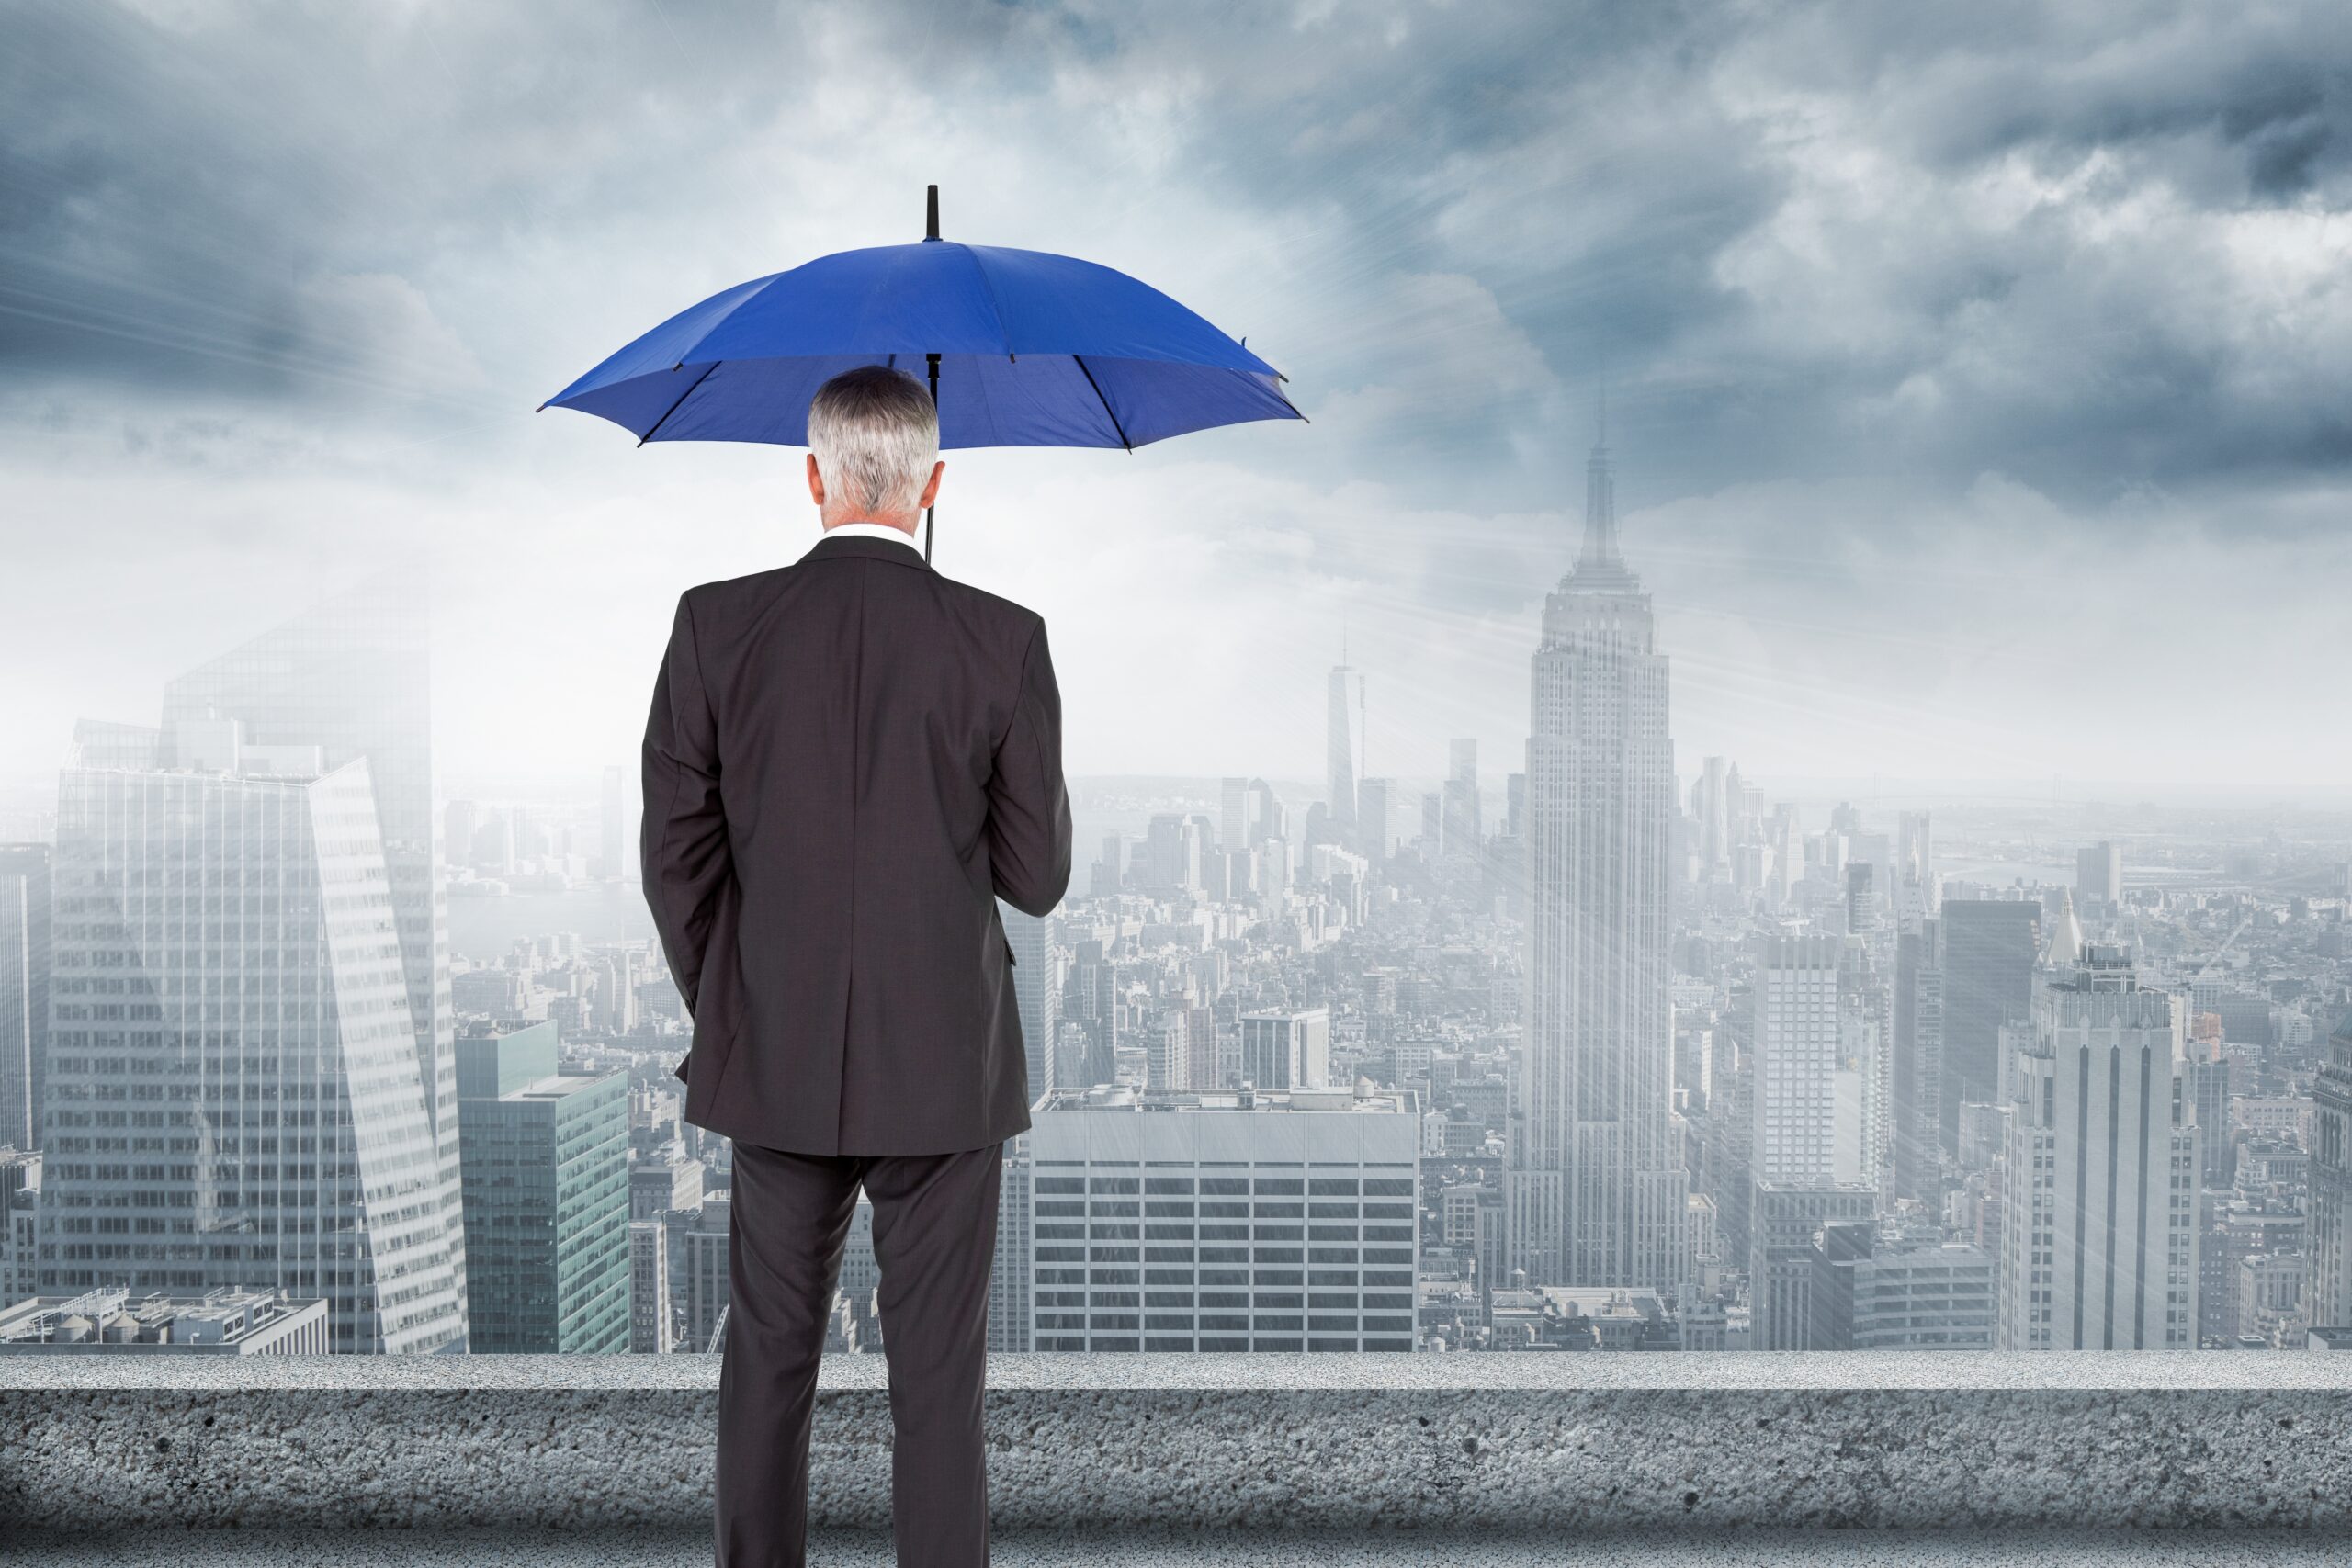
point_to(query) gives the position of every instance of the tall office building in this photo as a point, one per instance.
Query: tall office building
(2100, 1172)
(2099, 875)
(2331, 1231)
(1799, 1098)
(1010, 1287)
(709, 1279)
(1861, 900)
(24, 990)
(1806, 1146)
(1233, 816)
(226, 932)
(353, 676)
(1915, 1070)
(1037, 988)
(1786, 1308)
(1285, 1050)
(1343, 731)
(1462, 831)
(1711, 803)
(1219, 1222)
(1595, 1186)
(652, 1330)
(1374, 820)
(1989, 951)
(546, 1164)
(1173, 847)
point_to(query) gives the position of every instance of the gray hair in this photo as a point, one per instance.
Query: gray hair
(876, 435)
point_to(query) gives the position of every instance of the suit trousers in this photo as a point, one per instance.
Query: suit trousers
(934, 1239)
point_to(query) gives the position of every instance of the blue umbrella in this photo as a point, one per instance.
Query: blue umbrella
(1032, 350)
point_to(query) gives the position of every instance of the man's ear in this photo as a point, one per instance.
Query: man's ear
(931, 491)
(816, 481)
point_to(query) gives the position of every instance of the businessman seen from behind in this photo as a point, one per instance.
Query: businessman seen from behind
(848, 761)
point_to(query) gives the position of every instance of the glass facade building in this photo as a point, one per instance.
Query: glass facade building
(24, 990)
(232, 1097)
(546, 1164)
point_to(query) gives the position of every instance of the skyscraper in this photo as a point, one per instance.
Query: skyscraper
(546, 1161)
(1373, 817)
(229, 936)
(1345, 717)
(1233, 816)
(1037, 988)
(651, 1331)
(1011, 1290)
(1284, 1050)
(1710, 803)
(1795, 1031)
(2099, 875)
(1595, 1187)
(1807, 1146)
(24, 991)
(1915, 1071)
(276, 835)
(2099, 1235)
(353, 676)
(1989, 950)
(1461, 831)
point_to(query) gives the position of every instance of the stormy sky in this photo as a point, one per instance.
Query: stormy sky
(1976, 375)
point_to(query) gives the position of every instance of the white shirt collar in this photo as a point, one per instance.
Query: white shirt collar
(872, 531)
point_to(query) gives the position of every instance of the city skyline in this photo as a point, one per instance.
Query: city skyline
(1750, 1096)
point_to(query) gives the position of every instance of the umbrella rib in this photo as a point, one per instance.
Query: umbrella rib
(681, 397)
(1287, 403)
(1091, 381)
(987, 286)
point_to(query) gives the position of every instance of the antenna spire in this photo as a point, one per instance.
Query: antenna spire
(1600, 497)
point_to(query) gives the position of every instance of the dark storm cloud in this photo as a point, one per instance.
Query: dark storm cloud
(249, 201)
(1797, 240)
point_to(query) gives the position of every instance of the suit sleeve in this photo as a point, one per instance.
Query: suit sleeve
(1029, 825)
(683, 850)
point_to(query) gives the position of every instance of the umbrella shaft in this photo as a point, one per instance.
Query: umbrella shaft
(930, 513)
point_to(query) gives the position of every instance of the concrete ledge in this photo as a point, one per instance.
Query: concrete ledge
(1447, 1443)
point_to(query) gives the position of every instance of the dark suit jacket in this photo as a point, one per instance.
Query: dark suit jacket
(848, 761)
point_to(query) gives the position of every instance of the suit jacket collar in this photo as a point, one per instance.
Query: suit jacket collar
(834, 546)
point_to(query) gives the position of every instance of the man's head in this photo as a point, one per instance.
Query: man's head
(872, 448)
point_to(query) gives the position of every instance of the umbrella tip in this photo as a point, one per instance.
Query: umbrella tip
(931, 212)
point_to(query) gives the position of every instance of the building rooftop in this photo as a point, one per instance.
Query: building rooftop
(222, 1321)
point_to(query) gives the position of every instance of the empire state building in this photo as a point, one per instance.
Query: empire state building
(1594, 1189)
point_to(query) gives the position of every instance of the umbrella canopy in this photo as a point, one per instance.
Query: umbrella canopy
(1022, 348)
